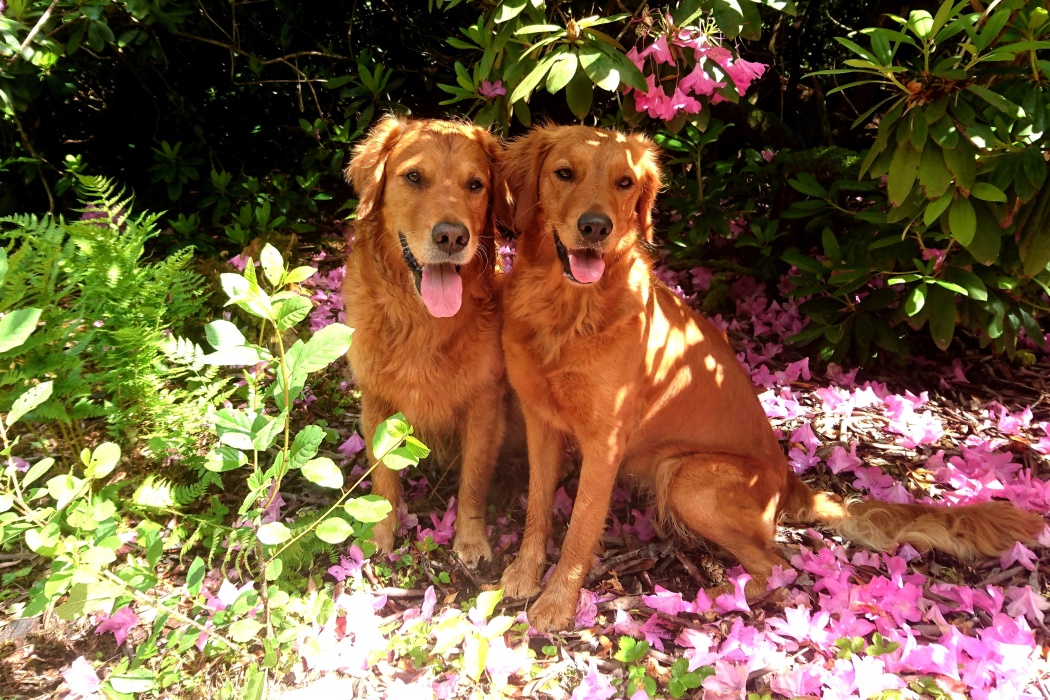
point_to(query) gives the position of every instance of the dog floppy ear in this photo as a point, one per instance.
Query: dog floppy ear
(366, 171)
(651, 181)
(521, 164)
(499, 194)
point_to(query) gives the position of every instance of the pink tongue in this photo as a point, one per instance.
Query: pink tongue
(442, 289)
(586, 265)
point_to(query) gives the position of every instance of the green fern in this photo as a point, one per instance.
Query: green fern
(107, 316)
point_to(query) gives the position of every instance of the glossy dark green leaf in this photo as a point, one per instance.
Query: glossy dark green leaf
(962, 220)
(941, 316)
(903, 169)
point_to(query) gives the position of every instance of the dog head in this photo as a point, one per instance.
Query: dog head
(433, 184)
(591, 190)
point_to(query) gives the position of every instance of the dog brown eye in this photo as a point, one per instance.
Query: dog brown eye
(413, 176)
(475, 185)
(625, 182)
(563, 174)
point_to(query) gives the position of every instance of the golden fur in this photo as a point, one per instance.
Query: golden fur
(445, 374)
(649, 389)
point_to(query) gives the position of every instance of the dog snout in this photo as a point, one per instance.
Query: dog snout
(594, 227)
(450, 237)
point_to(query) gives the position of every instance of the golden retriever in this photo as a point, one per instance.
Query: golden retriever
(422, 292)
(601, 353)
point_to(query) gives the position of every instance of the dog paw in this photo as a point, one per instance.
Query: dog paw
(472, 547)
(383, 535)
(521, 580)
(553, 611)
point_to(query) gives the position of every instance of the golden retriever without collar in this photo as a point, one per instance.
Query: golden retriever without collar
(603, 354)
(422, 292)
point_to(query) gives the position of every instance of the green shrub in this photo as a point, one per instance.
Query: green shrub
(106, 315)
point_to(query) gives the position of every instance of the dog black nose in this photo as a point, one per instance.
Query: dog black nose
(450, 237)
(594, 227)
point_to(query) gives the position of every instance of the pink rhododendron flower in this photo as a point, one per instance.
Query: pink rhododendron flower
(119, 623)
(444, 529)
(586, 609)
(82, 680)
(594, 686)
(728, 602)
(349, 566)
(1020, 554)
(666, 601)
(728, 683)
(780, 577)
(492, 90)
(699, 82)
(681, 101)
(799, 680)
(840, 460)
(659, 50)
(353, 444)
(743, 73)
(1025, 601)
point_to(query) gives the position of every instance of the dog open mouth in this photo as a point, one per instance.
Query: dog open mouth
(438, 284)
(584, 265)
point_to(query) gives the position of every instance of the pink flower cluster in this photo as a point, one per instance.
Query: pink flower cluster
(712, 64)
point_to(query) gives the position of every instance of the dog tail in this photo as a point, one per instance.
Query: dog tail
(966, 532)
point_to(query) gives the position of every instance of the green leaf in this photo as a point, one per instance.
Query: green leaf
(920, 22)
(562, 71)
(523, 89)
(244, 630)
(987, 192)
(508, 10)
(86, 598)
(944, 133)
(475, 654)
(807, 184)
(367, 509)
(408, 455)
(139, 680)
(628, 72)
(325, 347)
(273, 533)
(915, 300)
(389, 434)
(941, 311)
(334, 530)
(918, 129)
(323, 472)
(631, 650)
(934, 175)
(486, 602)
(265, 430)
(244, 291)
(300, 274)
(962, 161)
(36, 471)
(974, 285)
(16, 326)
(63, 488)
(28, 400)
(935, 208)
(903, 169)
(273, 569)
(104, 459)
(998, 101)
(224, 459)
(988, 237)
(579, 94)
(289, 312)
(223, 334)
(195, 576)
(305, 445)
(1035, 250)
(962, 220)
(272, 264)
(3, 264)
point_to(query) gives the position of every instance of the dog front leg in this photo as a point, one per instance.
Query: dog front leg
(385, 482)
(482, 437)
(546, 446)
(556, 608)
